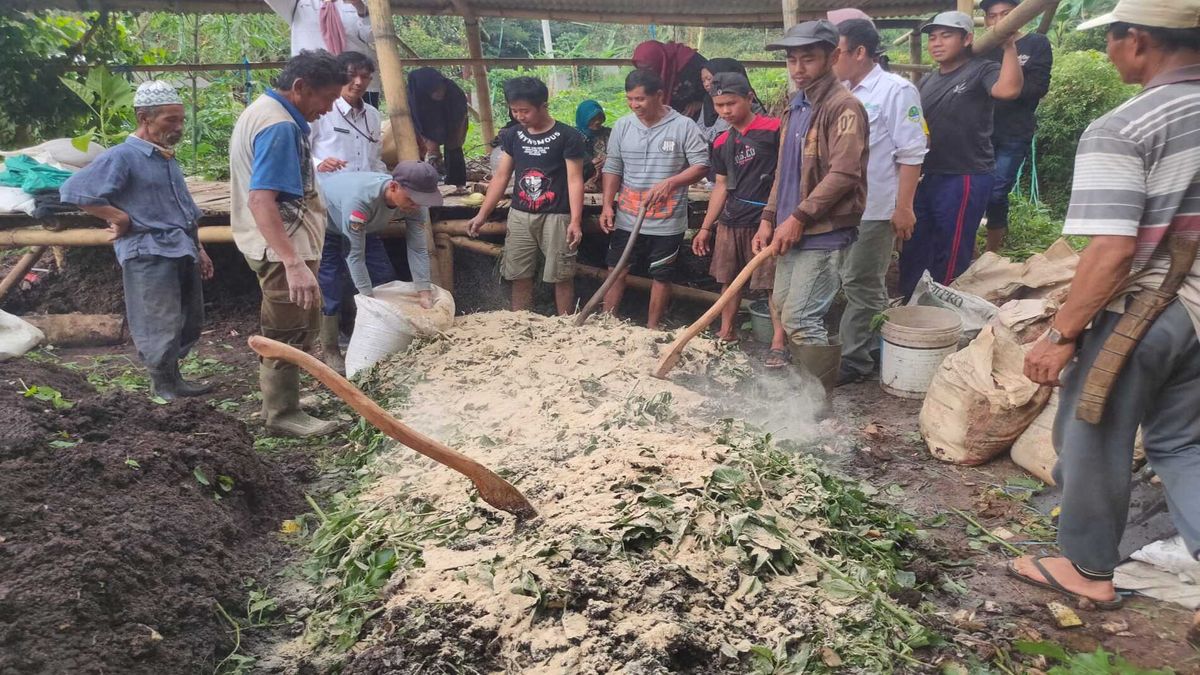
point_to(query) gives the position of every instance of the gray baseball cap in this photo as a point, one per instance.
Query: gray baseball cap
(420, 181)
(807, 33)
(957, 20)
(730, 83)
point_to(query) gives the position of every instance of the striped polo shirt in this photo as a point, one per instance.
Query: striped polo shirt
(644, 157)
(1137, 174)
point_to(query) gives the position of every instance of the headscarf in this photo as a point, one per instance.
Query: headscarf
(714, 66)
(584, 114)
(435, 120)
(333, 33)
(668, 60)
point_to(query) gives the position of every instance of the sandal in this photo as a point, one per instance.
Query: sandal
(1051, 584)
(777, 358)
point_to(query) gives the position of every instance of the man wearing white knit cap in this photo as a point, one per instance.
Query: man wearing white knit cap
(138, 189)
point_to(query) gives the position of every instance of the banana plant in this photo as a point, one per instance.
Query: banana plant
(110, 98)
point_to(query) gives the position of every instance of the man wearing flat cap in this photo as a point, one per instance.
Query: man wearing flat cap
(137, 187)
(819, 194)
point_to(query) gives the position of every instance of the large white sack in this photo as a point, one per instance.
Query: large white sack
(59, 153)
(390, 318)
(16, 200)
(998, 279)
(17, 336)
(1034, 451)
(980, 401)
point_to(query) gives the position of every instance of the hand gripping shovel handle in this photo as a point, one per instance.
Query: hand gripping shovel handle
(671, 359)
(492, 488)
(614, 272)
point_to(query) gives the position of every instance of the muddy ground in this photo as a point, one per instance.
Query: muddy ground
(98, 558)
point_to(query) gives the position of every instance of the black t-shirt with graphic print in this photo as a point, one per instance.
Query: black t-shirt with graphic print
(748, 163)
(540, 167)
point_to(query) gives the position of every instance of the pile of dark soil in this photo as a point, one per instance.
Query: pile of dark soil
(123, 525)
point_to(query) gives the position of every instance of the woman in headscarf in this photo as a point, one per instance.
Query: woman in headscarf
(589, 121)
(679, 67)
(709, 121)
(439, 114)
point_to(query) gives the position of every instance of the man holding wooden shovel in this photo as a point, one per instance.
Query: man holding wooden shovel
(1137, 195)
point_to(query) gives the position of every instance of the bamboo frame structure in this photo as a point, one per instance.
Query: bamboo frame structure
(483, 88)
(391, 74)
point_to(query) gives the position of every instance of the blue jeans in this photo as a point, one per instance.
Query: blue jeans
(334, 277)
(1010, 154)
(805, 285)
(949, 208)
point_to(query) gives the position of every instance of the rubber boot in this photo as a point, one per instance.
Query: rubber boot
(185, 388)
(331, 352)
(822, 362)
(163, 384)
(281, 405)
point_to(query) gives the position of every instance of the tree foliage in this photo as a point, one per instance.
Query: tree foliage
(1084, 86)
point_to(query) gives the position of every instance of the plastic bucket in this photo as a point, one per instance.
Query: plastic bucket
(915, 340)
(760, 322)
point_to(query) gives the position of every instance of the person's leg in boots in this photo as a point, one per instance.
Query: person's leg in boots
(1010, 155)
(286, 322)
(1157, 389)
(809, 282)
(191, 296)
(332, 276)
(153, 308)
(863, 270)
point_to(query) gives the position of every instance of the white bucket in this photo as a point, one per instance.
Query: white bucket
(915, 340)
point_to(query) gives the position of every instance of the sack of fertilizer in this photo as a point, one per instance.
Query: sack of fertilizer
(17, 336)
(390, 318)
(980, 401)
(974, 310)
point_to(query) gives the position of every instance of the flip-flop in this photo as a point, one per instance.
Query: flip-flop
(1051, 584)
(729, 343)
(782, 358)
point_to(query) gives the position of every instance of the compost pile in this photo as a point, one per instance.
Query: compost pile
(670, 537)
(124, 524)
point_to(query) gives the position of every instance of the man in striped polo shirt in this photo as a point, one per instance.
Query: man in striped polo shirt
(1137, 184)
(654, 154)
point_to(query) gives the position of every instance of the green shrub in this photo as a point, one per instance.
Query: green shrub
(1083, 87)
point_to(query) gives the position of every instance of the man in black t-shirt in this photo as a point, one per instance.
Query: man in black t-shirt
(744, 158)
(957, 174)
(547, 202)
(1015, 121)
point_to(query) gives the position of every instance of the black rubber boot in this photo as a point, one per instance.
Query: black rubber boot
(163, 384)
(189, 389)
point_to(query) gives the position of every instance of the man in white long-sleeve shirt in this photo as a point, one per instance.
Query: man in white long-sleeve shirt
(348, 138)
(303, 18)
(898, 146)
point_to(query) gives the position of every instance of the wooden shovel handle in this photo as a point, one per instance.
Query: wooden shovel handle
(615, 272)
(672, 357)
(484, 479)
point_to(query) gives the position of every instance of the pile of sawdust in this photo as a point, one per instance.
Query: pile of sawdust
(623, 571)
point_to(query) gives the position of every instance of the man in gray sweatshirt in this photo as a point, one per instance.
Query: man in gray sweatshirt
(654, 154)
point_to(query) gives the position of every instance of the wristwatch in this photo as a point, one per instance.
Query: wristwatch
(1054, 337)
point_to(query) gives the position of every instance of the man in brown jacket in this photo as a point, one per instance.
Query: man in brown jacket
(819, 195)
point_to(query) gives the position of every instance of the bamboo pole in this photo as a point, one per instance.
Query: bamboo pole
(391, 74)
(36, 236)
(443, 252)
(597, 273)
(916, 54)
(966, 7)
(483, 90)
(19, 270)
(1010, 25)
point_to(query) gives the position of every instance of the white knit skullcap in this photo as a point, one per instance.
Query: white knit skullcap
(153, 92)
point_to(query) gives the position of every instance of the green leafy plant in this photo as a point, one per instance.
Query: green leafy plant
(48, 394)
(110, 98)
(1099, 662)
